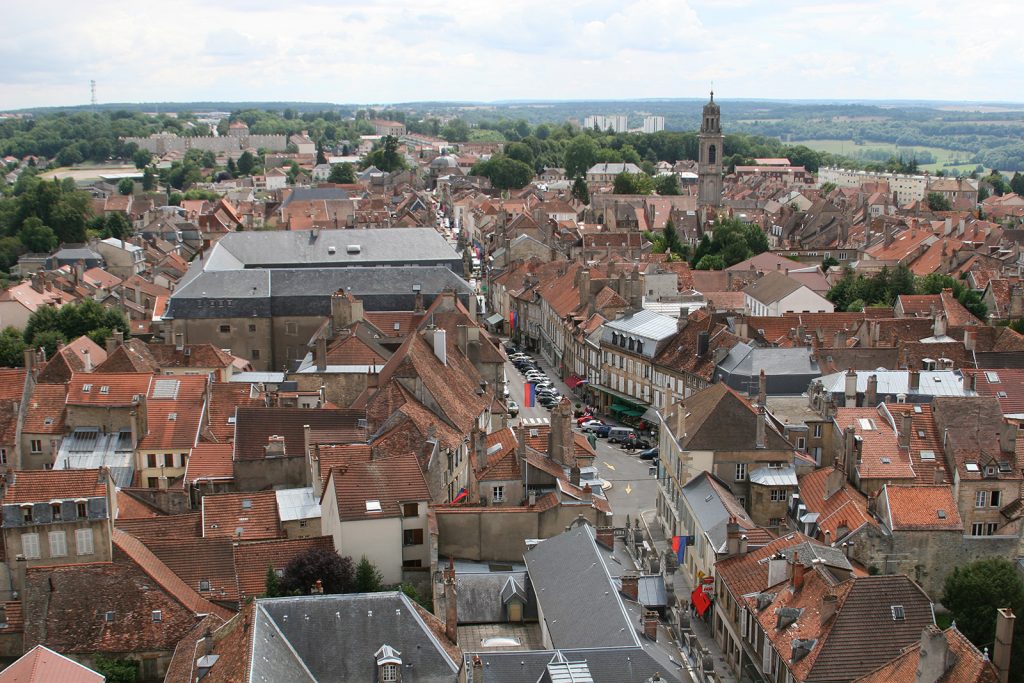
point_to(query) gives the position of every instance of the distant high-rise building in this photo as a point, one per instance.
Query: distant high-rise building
(653, 124)
(617, 122)
(709, 163)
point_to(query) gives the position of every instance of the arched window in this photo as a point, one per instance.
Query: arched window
(712, 155)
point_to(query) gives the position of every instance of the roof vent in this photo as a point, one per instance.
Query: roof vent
(942, 514)
(332, 249)
(354, 249)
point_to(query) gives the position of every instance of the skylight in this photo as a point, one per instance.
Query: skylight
(927, 455)
(992, 377)
(373, 506)
(972, 467)
(898, 614)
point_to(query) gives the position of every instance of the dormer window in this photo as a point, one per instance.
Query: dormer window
(389, 664)
(55, 512)
(26, 514)
(86, 388)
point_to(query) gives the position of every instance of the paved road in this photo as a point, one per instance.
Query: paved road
(633, 488)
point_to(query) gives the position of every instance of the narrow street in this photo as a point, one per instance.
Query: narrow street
(633, 488)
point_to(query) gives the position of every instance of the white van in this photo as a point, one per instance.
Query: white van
(620, 434)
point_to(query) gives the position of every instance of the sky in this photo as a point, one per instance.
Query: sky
(371, 52)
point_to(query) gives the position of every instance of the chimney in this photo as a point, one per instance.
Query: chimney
(834, 481)
(478, 668)
(849, 446)
(1008, 437)
(560, 438)
(86, 360)
(584, 289)
(871, 395)
(574, 474)
(1004, 642)
(20, 564)
(968, 340)
(851, 389)
(179, 342)
(320, 353)
(935, 657)
(888, 234)
(940, 325)
(651, 624)
(828, 608)
(462, 339)
(762, 389)
(798, 572)
(109, 345)
(588, 494)
(680, 422)
(605, 536)
(840, 339)
(636, 295)
(441, 345)
(37, 281)
(762, 417)
(520, 443)
(1016, 309)
(630, 585)
(732, 536)
(451, 613)
(939, 475)
(914, 380)
(906, 429)
(777, 569)
(478, 442)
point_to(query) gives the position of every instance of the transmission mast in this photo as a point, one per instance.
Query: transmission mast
(92, 89)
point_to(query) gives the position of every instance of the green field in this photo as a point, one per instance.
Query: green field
(848, 148)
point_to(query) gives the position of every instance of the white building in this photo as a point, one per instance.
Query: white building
(617, 122)
(776, 293)
(653, 124)
(908, 188)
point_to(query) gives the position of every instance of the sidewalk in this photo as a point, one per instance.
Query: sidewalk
(682, 591)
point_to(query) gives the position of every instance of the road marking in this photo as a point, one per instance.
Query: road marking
(628, 489)
(536, 420)
(608, 465)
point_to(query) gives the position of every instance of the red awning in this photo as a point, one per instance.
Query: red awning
(572, 381)
(700, 601)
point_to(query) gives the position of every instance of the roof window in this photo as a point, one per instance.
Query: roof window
(373, 506)
(86, 388)
(898, 613)
(104, 389)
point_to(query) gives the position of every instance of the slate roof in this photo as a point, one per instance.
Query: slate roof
(604, 665)
(334, 637)
(713, 504)
(567, 572)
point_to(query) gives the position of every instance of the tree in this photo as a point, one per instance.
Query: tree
(580, 155)
(272, 584)
(974, 592)
(141, 158)
(580, 190)
(318, 564)
(520, 152)
(37, 237)
(116, 670)
(503, 172)
(126, 186)
(710, 262)
(456, 130)
(633, 183)
(938, 202)
(343, 174)
(116, 225)
(12, 348)
(47, 326)
(368, 579)
(321, 158)
(232, 167)
(1017, 184)
(386, 156)
(827, 189)
(148, 180)
(667, 184)
(246, 163)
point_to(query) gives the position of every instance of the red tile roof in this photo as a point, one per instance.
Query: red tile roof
(845, 508)
(37, 486)
(341, 456)
(1007, 385)
(252, 559)
(195, 560)
(12, 383)
(241, 516)
(44, 413)
(967, 664)
(174, 412)
(921, 508)
(502, 463)
(111, 389)
(209, 462)
(255, 426)
(389, 481)
(130, 507)
(43, 665)
(224, 398)
(881, 455)
(188, 525)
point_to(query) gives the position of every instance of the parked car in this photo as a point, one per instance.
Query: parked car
(535, 376)
(620, 434)
(634, 442)
(649, 454)
(548, 401)
(601, 431)
(511, 349)
(519, 356)
(591, 425)
(586, 418)
(513, 408)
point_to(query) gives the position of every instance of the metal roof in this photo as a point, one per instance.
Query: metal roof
(644, 323)
(931, 382)
(293, 504)
(774, 476)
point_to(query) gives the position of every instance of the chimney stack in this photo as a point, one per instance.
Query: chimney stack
(914, 380)
(179, 342)
(850, 393)
(762, 389)
(761, 437)
(320, 353)
(560, 438)
(441, 345)
(871, 395)
(86, 360)
(1004, 642)
(828, 608)
(798, 572)
(651, 624)
(906, 428)
(1008, 437)
(732, 535)
(451, 613)
(630, 585)
(1016, 308)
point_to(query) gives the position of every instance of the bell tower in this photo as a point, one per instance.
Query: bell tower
(709, 163)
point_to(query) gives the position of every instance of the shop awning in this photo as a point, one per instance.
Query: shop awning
(623, 399)
(495, 319)
(573, 381)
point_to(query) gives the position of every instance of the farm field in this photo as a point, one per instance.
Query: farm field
(849, 148)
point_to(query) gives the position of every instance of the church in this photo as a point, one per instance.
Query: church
(709, 161)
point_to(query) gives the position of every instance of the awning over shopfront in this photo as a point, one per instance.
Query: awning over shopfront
(701, 601)
(495, 319)
(573, 381)
(625, 400)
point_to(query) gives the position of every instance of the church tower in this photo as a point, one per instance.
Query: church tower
(709, 164)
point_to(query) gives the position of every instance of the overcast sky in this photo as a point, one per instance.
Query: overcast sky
(410, 50)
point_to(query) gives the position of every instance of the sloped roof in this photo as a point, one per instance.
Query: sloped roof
(43, 665)
(38, 486)
(846, 507)
(388, 481)
(252, 559)
(722, 420)
(922, 508)
(241, 516)
(968, 665)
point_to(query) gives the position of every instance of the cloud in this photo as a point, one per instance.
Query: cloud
(404, 50)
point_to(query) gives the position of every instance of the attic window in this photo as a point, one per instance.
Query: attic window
(231, 420)
(353, 249)
(398, 326)
(157, 615)
(972, 467)
(1001, 394)
(920, 433)
(941, 514)
(86, 388)
(898, 614)
(204, 584)
(172, 416)
(332, 249)
(48, 421)
(917, 409)
(992, 377)
(373, 506)
(108, 616)
(104, 389)
(927, 455)
(866, 424)
(886, 461)
(246, 503)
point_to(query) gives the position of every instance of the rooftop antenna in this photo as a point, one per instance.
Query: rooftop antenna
(92, 90)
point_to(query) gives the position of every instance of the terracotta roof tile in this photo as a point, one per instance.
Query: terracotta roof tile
(224, 398)
(252, 559)
(113, 389)
(130, 507)
(241, 516)
(34, 486)
(881, 455)
(12, 383)
(502, 462)
(254, 427)
(846, 507)
(209, 462)
(41, 664)
(174, 412)
(341, 456)
(197, 561)
(45, 411)
(188, 525)
(921, 507)
(968, 664)
(389, 481)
